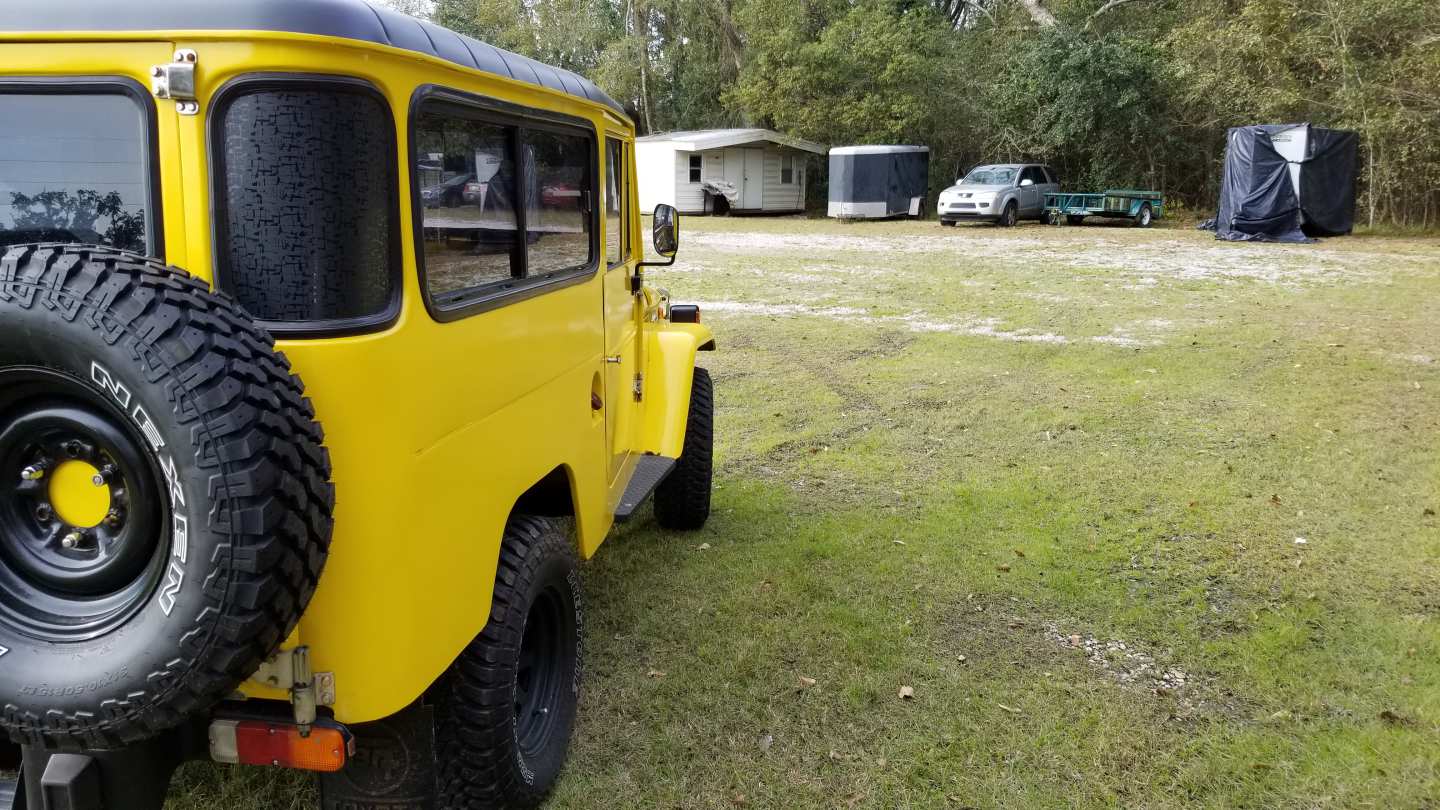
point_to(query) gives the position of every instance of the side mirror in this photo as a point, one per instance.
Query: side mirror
(666, 234)
(1026, 182)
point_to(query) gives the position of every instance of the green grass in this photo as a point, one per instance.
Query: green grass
(944, 453)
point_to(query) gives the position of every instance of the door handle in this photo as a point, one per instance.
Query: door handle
(615, 359)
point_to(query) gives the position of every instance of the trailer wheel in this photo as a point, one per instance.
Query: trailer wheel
(1009, 216)
(1072, 219)
(1145, 217)
(165, 497)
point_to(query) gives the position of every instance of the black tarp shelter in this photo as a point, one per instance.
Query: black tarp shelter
(1287, 183)
(875, 182)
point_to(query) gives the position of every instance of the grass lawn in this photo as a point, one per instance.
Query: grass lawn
(1142, 519)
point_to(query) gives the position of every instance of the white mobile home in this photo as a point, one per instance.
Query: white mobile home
(717, 170)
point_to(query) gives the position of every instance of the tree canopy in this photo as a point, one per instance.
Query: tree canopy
(1111, 92)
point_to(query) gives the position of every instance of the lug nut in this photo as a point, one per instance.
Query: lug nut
(32, 473)
(114, 519)
(72, 539)
(73, 449)
(43, 513)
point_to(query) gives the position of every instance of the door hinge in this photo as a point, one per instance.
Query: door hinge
(176, 81)
(639, 386)
(290, 670)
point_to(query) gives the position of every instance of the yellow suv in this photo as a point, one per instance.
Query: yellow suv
(206, 200)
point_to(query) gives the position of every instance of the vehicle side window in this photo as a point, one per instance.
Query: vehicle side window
(695, 169)
(306, 204)
(73, 168)
(1032, 173)
(1054, 177)
(558, 222)
(504, 203)
(615, 230)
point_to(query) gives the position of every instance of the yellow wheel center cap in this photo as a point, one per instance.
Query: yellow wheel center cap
(75, 497)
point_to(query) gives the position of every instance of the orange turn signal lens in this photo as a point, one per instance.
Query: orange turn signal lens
(257, 742)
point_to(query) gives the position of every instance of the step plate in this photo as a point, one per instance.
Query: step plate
(649, 472)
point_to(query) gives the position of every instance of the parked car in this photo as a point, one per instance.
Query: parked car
(1002, 193)
(449, 193)
(374, 573)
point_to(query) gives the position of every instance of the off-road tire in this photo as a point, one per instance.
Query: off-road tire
(948, 223)
(480, 760)
(244, 464)
(1009, 215)
(682, 501)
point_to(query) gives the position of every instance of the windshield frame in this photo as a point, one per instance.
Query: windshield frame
(1013, 172)
(150, 136)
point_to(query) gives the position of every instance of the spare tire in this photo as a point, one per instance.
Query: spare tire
(165, 497)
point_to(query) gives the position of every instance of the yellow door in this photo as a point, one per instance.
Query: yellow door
(623, 313)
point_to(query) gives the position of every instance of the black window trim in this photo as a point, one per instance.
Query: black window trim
(219, 105)
(696, 167)
(486, 109)
(112, 85)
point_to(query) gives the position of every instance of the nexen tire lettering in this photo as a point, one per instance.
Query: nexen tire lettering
(180, 523)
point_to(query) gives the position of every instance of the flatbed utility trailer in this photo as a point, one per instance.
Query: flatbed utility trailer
(1140, 207)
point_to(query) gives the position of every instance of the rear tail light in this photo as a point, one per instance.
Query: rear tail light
(262, 742)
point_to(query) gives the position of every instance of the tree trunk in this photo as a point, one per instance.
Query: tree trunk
(1039, 13)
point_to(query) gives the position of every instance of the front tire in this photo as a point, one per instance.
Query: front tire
(1009, 216)
(948, 223)
(505, 711)
(682, 501)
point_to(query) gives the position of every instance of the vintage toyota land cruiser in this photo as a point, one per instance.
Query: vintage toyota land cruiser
(373, 573)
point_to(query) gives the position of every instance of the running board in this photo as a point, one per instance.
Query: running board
(649, 472)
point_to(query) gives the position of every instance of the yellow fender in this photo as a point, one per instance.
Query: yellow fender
(669, 362)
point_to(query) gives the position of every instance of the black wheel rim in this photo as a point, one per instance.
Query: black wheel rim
(540, 672)
(62, 580)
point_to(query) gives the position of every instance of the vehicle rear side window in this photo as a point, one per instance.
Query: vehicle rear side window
(306, 198)
(74, 168)
(503, 204)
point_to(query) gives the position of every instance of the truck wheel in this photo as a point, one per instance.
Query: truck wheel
(1071, 219)
(505, 710)
(165, 498)
(1145, 217)
(682, 501)
(1009, 216)
(949, 223)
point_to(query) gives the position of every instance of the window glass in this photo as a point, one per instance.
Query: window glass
(557, 221)
(615, 205)
(306, 197)
(787, 169)
(695, 168)
(1033, 174)
(72, 169)
(466, 173)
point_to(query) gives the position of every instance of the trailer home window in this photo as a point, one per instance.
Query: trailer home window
(73, 169)
(695, 168)
(787, 169)
(503, 205)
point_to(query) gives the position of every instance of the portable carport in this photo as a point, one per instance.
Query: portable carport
(1287, 183)
(875, 182)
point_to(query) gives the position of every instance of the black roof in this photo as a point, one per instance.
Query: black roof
(351, 19)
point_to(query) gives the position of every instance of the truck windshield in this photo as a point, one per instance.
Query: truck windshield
(990, 176)
(72, 169)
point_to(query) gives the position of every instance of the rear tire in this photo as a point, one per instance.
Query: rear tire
(948, 223)
(682, 501)
(505, 710)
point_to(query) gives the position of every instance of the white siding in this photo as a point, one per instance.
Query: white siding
(783, 196)
(656, 180)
